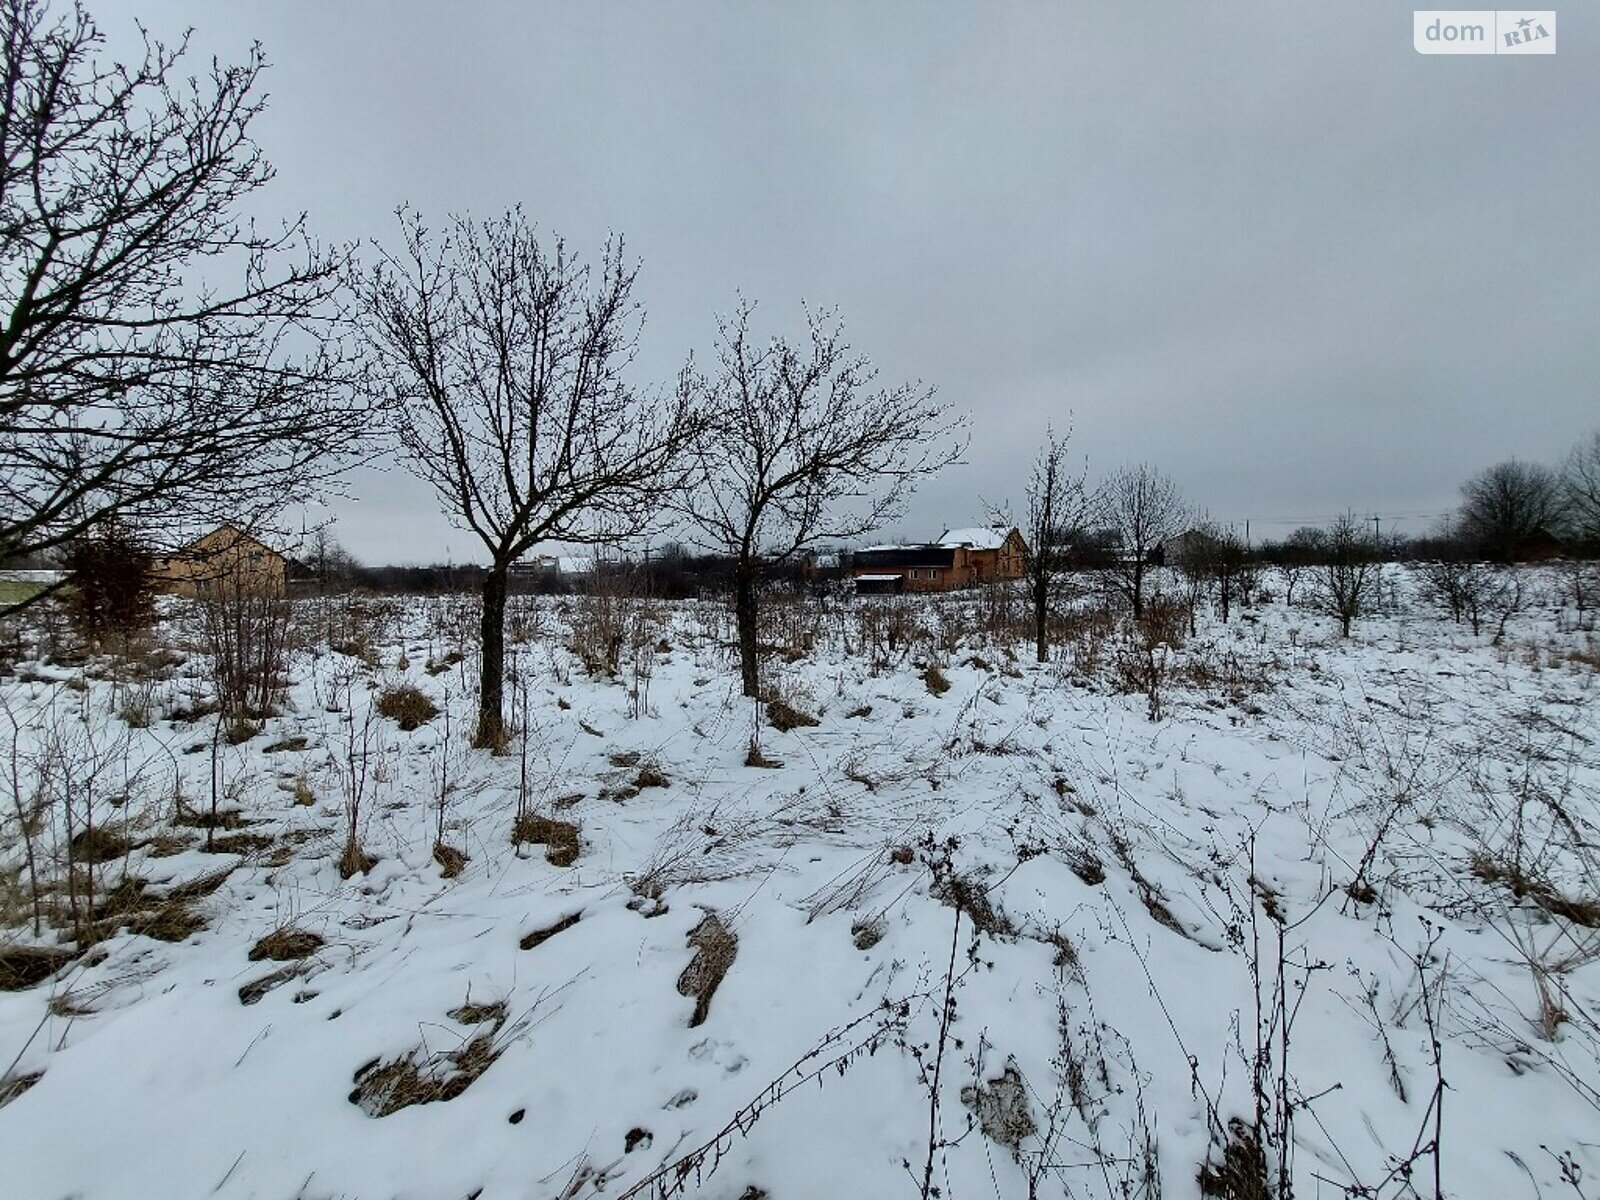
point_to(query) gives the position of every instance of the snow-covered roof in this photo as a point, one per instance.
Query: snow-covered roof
(979, 538)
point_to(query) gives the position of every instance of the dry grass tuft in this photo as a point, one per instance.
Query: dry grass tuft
(441, 665)
(240, 843)
(286, 944)
(1242, 1174)
(223, 818)
(480, 1014)
(935, 681)
(385, 1088)
(757, 759)
(407, 706)
(715, 947)
(100, 844)
(651, 776)
(1001, 1108)
(559, 838)
(972, 898)
(539, 936)
(173, 921)
(166, 918)
(288, 745)
(23, 966)
(13, 1086)
(784, 717)
(353, 860)
(166, 845)
(1580, 910)
(451, 861)
(253, 991)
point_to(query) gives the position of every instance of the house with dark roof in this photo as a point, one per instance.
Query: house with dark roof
(961, 558)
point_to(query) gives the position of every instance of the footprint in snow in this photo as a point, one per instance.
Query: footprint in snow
(721, 1053)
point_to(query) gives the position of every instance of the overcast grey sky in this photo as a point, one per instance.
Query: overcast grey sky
(1265, 246)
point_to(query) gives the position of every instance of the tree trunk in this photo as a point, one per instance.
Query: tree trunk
(491, 731)
(1041, 613)
(744, 608)
(1138, 587)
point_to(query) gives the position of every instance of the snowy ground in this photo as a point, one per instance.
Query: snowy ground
(1084, 889)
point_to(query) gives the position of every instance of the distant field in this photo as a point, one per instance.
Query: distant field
(14, 591)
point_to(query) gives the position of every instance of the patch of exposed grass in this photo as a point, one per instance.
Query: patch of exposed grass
(353, 860)
(166, 918)
(385, 1088)
(1242, 1173)
(1000, 1107)
(223, 818)
(240, 843)
(561, 839)
(13, 1086)
(757, 759)
(23, 966)
(102, 843)
(451, 861)
(480, 1014)
(972, 898)
(253, 991)
(1580, 910)
(288, 745)
(408, 706)
(539, 936)
(934, 680)
(286, 944)
(441, 665)
(783, 716)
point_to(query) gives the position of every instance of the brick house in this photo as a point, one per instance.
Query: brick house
(961, 558)
(226, 558)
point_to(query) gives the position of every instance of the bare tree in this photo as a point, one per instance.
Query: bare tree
(1145, 509)
(1061, 512)
(135, 380)
(1349, 576)
(501, 362)
(1295, 556)
(802, 449)
(1580, 482)
(1508, 507)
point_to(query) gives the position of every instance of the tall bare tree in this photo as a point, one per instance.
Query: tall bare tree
(502, 362)
(1145, 509)
(1580, 481)
(802, 448)
(1508, 507)
(1060, 514)
(159, 354)
(1349, 575)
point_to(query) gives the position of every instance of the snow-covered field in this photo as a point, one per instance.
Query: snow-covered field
(1026, 936)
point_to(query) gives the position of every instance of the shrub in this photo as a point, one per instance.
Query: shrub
(113, 586)
(408, 706)
(783, 717)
